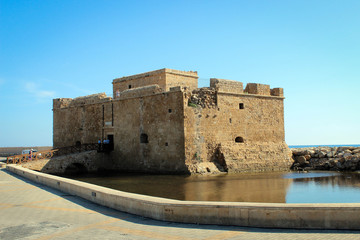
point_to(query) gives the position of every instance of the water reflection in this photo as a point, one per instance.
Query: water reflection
(313, 187)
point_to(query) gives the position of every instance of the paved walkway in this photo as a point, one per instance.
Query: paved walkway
(33, 211)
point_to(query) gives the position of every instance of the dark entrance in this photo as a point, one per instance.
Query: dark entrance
(111, 142)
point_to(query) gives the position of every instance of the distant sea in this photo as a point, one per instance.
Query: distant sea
(306, 146)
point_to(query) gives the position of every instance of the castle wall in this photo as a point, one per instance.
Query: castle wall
(164, 78)
(139, 80)
(163, 123)
(227, 86)
(160, 117)
(80, 120)
(237, 132)
(176, 78)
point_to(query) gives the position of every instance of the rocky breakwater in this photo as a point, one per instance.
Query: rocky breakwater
(326, 158)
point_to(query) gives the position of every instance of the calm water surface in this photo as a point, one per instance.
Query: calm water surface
(314, 187)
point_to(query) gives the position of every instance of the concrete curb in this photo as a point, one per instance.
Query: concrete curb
(269, 215)
(2, 165)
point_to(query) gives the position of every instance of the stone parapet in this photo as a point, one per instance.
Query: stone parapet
(277, 92)
(228, 86)
(257, 88)
(140, 92)
(157, 72)
(89, 99)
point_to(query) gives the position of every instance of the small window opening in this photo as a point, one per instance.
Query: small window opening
(144, 138)
(230, 120)
(241, 106)
(239, 140)
(170, 110)
(166, 144)
(129, 86)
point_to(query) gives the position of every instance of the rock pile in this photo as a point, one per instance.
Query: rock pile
(326, 158)
(204, 97)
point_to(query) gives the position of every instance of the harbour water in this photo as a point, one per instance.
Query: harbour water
(287, 187)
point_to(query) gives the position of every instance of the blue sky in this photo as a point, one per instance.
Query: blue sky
(60, 48)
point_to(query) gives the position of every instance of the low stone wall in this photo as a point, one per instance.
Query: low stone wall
(89, 161)
(271, 215)
(326, 158)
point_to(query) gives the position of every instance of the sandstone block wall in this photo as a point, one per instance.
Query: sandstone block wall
(80, 120)
(149, 133)
(164, 78)
(163, 124)
(89, 161)
(140, 91)
(256, 88)
(239, 133)
(277, 92)
(176, 78)
(228, 86)
(139, 80)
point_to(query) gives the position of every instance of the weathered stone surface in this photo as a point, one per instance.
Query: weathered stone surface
(356, 150)
(161, 122)
(301, 160)
(89, 161)
(331, 154)
(321, 154)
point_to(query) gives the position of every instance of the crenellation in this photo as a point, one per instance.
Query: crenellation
(61, 102)
(227, 86)
(277, 92)
(257, 88)
(140, 91)
(165, 78)
(74, 102)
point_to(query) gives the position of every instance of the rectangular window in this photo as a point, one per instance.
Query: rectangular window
(241, 106)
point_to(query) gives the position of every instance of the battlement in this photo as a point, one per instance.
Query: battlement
(141, 91)
(89, 99)
(235, 87)
(228, 86)
(155, 73)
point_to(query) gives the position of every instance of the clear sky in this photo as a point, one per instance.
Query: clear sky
(61, 48)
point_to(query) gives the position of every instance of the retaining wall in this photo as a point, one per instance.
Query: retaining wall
(270, 215)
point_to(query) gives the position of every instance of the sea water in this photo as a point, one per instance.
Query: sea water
(287, 187)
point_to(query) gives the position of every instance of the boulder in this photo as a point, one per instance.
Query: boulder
(299, 152)
(355, 151)
(322, 154)
(341, 149)
(332, 163)
(331, 154)
(301, 160)
(308, 157)
(339, 154)
(339, 165)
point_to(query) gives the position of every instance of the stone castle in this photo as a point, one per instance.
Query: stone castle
(161, 122)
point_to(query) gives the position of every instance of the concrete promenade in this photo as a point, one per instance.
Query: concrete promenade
(33, 211)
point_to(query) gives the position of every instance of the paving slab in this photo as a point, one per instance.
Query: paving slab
(32, 211)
